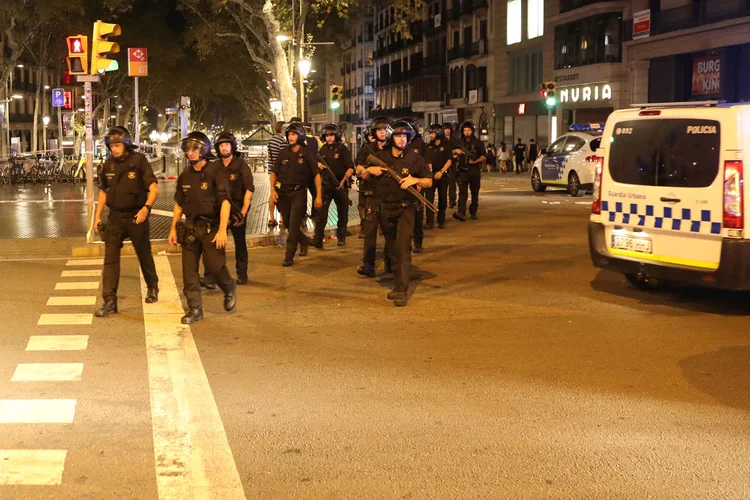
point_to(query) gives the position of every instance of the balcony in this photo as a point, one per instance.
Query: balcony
(567, 5)
(391, 113)
(434, 65)
(429, 89)
(692, 16)
(462, 51)
(429, 28)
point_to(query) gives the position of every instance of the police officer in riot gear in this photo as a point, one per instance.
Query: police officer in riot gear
(452, 172)
(397, 206)
(339, 159)
(241, 189)
(296, 166)
(469, 171)
(379, 130)
(128, 187)
(368, 142)
(439, 156)
(202, 194)
(418, 146)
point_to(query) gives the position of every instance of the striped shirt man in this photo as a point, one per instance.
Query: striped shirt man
(277, 142)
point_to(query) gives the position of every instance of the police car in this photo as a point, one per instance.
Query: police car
(669, 195)
(569, 162)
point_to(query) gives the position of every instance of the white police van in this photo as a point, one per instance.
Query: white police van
(669, 195)
(569, 161)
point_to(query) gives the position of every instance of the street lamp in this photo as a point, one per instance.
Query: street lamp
(45, 120)
(304, 67)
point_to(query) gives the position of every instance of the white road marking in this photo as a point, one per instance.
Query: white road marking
(193, 458)
(47, 372)
(65, 319)
(37, 411)
(88, 300)
(85, 262)
(32, 467)
(82, 273)
(78, 285)
(58, 343)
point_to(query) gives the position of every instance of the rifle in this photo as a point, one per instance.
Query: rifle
(377, 162)
(328, 169)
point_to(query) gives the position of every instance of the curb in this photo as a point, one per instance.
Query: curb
(161, 247)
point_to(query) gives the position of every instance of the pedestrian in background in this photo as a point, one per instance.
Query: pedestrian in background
(491, 157)
(519, 154)
(503, 156)
(533, 153)
(274, 146)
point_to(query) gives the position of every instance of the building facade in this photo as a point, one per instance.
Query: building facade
(358, 75)
(683, 50)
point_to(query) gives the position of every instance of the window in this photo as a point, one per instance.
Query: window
(524, 71)
(597, 39)
(594, 145)
(573, 144)
(556, 146)
(662, 153)
(515, 22)
(536, 19)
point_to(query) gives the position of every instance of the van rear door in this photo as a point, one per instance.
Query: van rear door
(662, 196)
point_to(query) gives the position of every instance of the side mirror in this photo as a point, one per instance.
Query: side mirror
(544, 151)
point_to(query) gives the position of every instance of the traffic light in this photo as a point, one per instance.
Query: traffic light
(78, 57)
(551, 99)
(335, 97)
(101, 47)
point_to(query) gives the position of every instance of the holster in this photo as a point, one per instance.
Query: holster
(181, 232)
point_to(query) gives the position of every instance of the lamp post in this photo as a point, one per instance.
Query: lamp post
(304, 70)
(45, 120)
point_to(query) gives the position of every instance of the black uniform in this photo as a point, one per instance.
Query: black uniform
(418, 146)
(520, 152)
(397, 210)
(240, 180)
(126, 182)
(200, 194)
(295, 171)
(365, 185)
(339, 158)
(452, 177)
(371, 212)
(438, 155)
(470, 176)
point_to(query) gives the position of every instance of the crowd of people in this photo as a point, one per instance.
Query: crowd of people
(398, 174)
(517, 159)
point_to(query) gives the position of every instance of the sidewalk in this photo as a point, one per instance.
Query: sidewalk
(37, 219)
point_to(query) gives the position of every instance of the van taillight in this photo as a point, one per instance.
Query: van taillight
(734, 205)
(650, 112)
(596, 206)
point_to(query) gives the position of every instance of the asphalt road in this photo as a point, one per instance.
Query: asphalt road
(516, 371)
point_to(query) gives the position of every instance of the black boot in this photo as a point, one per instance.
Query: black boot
(366, 270)
(242, 279)
(393, 294)
(152, 295)
(388, 265)
(342, 241)
(305, 248)
(230, 301)
(109, 307)
(192, 316)
(317, 244)
(207, 283)
(459, 216)
(288, 261)
(418, 248)
(400, 299)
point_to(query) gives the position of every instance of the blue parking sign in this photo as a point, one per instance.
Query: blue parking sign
(58, 98)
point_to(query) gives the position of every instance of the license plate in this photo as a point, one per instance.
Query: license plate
(641, 245)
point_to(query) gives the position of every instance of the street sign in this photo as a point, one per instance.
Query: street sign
(137, 62)
(58, 98)
(641, 24)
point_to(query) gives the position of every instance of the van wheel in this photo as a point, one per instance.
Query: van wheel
(536, 182)
(574, 185)
(644, 282)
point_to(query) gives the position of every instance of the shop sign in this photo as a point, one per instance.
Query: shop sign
(707, 75)
(641, 24)
(586, 93)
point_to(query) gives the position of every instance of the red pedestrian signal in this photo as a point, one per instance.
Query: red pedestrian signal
(78, 58)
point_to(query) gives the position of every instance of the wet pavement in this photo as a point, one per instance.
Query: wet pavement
(59, 210)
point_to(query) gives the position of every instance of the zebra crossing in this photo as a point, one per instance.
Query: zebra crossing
(38, 467)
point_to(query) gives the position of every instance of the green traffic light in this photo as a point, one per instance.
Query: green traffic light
(551, 101)
(335, 105)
